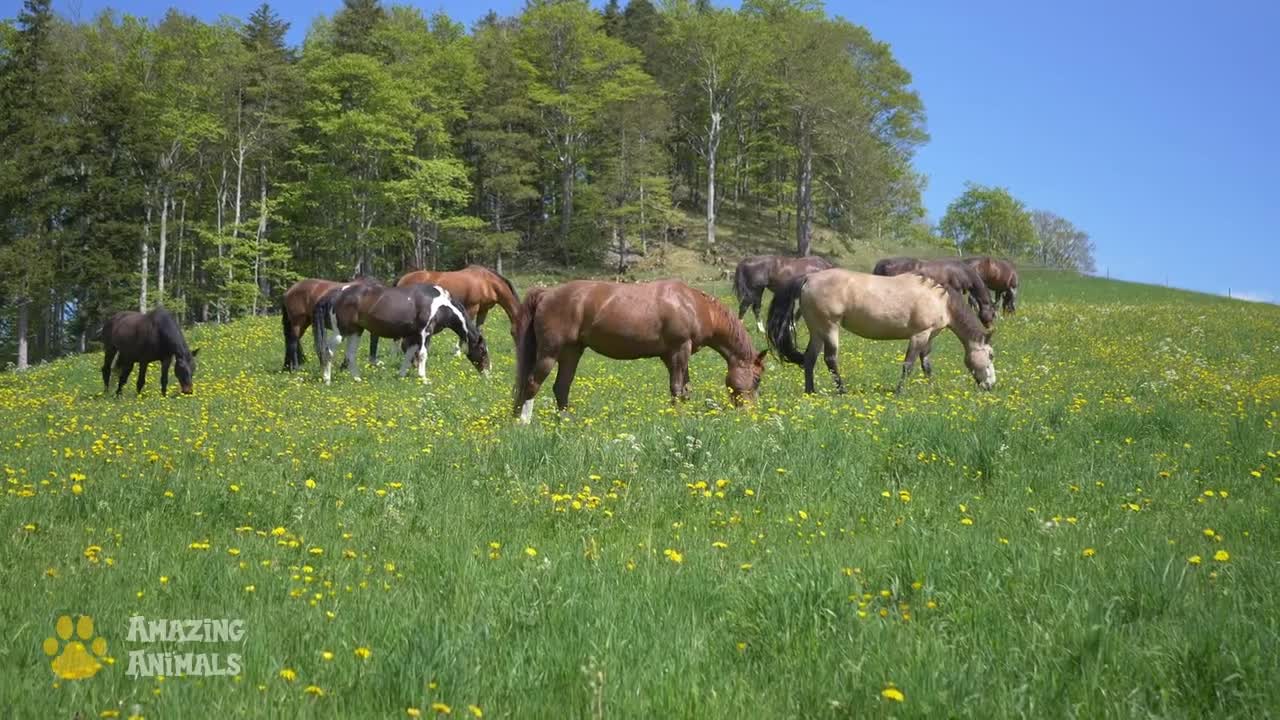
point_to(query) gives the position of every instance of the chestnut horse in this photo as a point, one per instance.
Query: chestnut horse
(476, 287)
(999, 275)
(899, 307)
(950, 274)
(758, 272)
(666, 319)
(132, 337)
(411, 314)
(296, 309)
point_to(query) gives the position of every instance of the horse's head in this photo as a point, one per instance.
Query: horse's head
(743, 379)
(980, 359)
(477, 350)
(987, 314)
(184, 367)
(1010, 301)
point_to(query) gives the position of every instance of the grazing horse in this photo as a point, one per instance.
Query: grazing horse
(896, 266)
(878, 308)
(999, 275)
(758, 272)
(665, 319)
(296, 309)
(133, 337)
(411, 314)
(950, 274)
(477, 287)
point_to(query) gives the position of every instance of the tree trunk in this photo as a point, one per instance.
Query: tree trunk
(713, 144)
(145, 253)
(566, 207)
(262, 232)
(804, 193)
(24, 307)
(164, 241)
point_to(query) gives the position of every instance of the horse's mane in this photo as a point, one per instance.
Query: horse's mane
(735, 326)
(501, 277)
(964, 321)
(167, 327)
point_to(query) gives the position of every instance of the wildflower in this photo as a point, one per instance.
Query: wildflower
(1088, 552)
(892, 693)
(966, 521)
(288, 675)
(673, 555)
(475, 711)
(1194, 560)
(326, 655)
(441, 708)
(76, 489)
(363, 653)
(413, 712)
(1222, 556)
(531, 551)
(314, 690)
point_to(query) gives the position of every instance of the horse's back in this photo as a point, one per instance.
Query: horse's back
(876, 307)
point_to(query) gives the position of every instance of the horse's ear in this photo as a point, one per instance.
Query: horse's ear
(761, 358)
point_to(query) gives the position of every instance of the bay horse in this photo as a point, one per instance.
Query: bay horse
(896, 266)
(758, 272)
(902, 307)
(999, 275)
(132, 337)
(666, 319)
(411, 314)
(950, 274)
(296, 310)
(476, 287)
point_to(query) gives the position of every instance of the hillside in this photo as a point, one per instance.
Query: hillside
(1095, 537)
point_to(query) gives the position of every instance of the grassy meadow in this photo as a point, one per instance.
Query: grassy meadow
(1097, 537)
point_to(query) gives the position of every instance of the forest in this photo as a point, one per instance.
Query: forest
(205, 166)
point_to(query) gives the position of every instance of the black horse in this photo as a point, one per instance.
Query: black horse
(758, 272)
(132, 337)
(411, 314)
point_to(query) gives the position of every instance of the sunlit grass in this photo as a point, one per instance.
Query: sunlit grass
(1096, 537)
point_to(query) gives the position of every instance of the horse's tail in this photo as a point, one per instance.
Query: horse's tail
(741, 284)
(526, 338)
(782, 315)
(321, 315)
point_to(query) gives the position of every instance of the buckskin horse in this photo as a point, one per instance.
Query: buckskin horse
(666, 319)
(999, 275)
(898, 307)
(410, 314)
(296, 310)
(951, 274)
(132, 337)
(758, 272)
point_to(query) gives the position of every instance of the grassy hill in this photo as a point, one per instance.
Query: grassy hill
(1096, 537)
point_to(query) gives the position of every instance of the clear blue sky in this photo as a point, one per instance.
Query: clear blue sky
(1150, 124)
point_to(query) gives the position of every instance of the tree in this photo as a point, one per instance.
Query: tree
(716, 55)
(1060, 244)
(355, 24)
(988, 220)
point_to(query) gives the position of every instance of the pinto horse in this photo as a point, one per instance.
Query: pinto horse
(999, 275)
(132, 337)
(898, 307)
(666, 319)
(296, 310)
(758, 272)
(950, 274)
(412, 315)
(476, 287)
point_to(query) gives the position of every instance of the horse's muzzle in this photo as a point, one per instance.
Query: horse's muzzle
(187, 390)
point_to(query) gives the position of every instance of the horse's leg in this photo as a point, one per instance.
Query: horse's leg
(298, 330)
(409, 353)
(353, 349)
(108, 360)
(125, 369)
(423, 346)
(541, 369)
(755, 308)
(914, 348)
(568, 362)
(142, 375)
(164, 375)
(830, 354)
(926, 358)
(811, 358)
(373, 349)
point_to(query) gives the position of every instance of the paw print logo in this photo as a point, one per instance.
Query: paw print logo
(71, 659)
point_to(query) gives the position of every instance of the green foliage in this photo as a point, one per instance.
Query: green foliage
(988, 220)
(1060, 244)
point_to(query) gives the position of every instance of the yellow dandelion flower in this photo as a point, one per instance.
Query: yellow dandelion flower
(531, 551)
(475, 711)
(1194, 560)
(288, 675)
(1088, 552)
(892, 693)
(413, 712)
(363, 653)
(1222, 556)
(441, 708)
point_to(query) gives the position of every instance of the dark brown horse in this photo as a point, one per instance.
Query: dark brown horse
(296, 310)
(950, 274)
(666, 319)
(889, 267)
(133, 337)
(476, 287)
(999, 275)
(758, 272)
(410, 314)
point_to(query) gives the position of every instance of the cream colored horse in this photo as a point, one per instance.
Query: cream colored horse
(903, 307)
